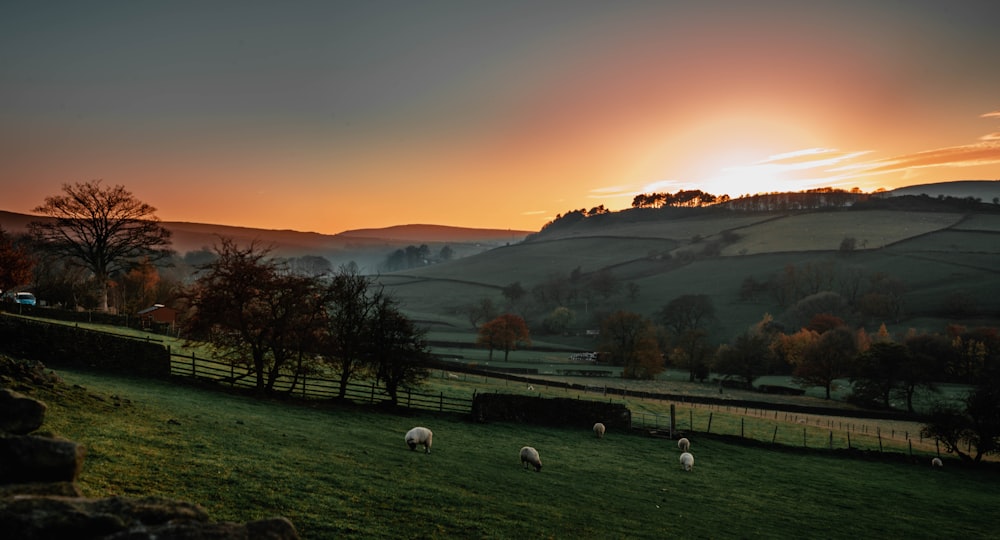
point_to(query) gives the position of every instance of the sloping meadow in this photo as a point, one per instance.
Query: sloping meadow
(347, 472)
(936, 255)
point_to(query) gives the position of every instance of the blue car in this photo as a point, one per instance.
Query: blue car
(25, 298)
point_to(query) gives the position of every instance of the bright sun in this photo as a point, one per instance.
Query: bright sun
(747, 172)
(740, 172)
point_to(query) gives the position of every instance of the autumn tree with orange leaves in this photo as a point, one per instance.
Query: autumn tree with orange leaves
(506, 333)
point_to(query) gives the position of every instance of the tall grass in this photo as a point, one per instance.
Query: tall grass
(345, 471)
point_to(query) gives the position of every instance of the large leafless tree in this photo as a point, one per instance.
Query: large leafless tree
(103, 228)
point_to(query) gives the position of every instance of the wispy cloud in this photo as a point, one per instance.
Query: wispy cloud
(798, 160)
(662, 186)
(534, 212)
(831, 166)
(984, 153)
(611, 191)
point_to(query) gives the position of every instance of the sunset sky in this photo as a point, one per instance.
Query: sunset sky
(327, 116)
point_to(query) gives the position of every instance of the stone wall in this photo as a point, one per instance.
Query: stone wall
(557, 412)
(40, 499)
(69, 346)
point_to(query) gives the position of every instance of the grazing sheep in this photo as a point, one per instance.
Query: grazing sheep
(936, 462)
(531, 388)
(599, 430)
(683, 444)
(529, 456)
(418, 436)
(687, 461)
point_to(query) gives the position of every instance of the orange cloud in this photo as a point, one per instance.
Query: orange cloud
(985, 153)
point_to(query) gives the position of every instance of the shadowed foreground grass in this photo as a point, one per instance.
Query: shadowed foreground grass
(339, 472)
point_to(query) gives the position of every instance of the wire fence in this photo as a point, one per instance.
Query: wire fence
(790, 429)
(760, 424)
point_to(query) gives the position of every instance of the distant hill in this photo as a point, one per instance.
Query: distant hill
(984, 190)
(366, 247)
(435, 233)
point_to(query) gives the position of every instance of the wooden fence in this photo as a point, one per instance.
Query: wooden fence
(312, 387)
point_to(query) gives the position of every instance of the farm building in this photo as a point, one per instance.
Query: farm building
(157, 313)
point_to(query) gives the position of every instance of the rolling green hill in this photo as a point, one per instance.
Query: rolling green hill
(942, 256)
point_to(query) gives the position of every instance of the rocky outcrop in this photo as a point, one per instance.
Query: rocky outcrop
(20, 414)
(30, 516)
(39, 497)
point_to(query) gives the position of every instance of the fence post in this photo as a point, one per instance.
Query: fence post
(848, 439)
(709, 423)
(371, 395)
(804, 438)
(775, 436)
(741, 427)
(232, 374)
(831, 439)
(441, 402)
(673, 413)
(879, 432)
(194, 372)
(691, 419)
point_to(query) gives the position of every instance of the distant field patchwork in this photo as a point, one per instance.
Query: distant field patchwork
(826, 230)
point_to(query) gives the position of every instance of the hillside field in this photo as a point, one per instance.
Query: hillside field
(345, 471)
(938, 257)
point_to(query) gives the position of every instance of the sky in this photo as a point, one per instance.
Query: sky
(328, 116)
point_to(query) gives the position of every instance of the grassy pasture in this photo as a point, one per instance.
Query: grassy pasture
(681, 229)
(536, 261)
(825, 230)
(955, 240)
(346, 472)
(761, 425)
(981, 222)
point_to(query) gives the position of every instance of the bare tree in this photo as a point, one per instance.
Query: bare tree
(229, 305)
(104, 229)
(354, 300)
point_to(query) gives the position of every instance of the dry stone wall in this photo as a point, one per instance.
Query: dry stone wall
(40, 499)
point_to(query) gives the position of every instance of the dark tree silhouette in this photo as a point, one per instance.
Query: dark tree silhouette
(105, 229)
(251, 312)
(397, 351)
(630, 341)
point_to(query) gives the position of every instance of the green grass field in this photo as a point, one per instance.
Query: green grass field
(339, 472)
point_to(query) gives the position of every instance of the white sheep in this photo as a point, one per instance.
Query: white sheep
(683, 444)
(418, 436)
(529, 456)
(599, 430)
(687, 461)
(936, 462)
